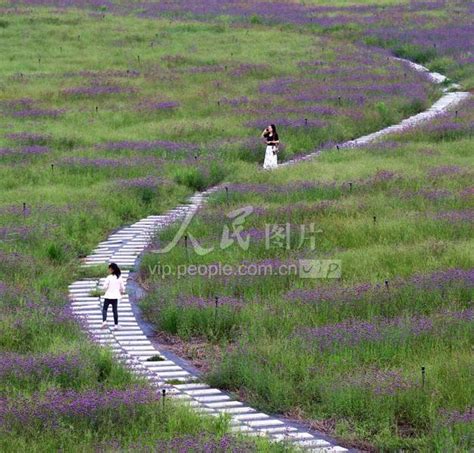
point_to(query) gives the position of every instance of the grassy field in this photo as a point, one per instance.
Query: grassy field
(349, 352)
(108, 117)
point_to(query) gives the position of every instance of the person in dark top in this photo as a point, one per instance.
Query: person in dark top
(271, 136)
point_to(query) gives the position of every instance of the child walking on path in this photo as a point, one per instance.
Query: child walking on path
(114, 288)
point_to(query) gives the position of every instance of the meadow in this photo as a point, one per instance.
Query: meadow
(348, 352)
(112, 111)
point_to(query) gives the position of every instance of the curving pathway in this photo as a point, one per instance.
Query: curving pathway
(132, 347)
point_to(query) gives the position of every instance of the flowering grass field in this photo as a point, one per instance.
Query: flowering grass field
(112, 111)
(348, 352)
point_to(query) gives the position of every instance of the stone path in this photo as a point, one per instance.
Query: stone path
(445, 103)
(134, 349)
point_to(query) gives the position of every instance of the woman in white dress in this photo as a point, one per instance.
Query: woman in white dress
(271, 137)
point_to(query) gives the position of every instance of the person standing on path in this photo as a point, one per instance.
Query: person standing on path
(271, 137)
(114, 289)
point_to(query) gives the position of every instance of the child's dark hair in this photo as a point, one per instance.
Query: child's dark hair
(115, 270)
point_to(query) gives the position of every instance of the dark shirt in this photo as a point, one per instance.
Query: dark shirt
(270, 137)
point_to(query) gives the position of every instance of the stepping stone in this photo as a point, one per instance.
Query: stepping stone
(85, 299)
(190, 386)
(81, 289)
(212, 399)
(298, 436)
(124, 336)
(172, 374)
(251, 416)
(85, 311)
(136, 349)
(270, 422)
(129, 330)
(152, 364)
(315, 443)
(135, 342)
(86, 305)
(274, 431)
(200, 392)
(236, 410)
(159, 370)
(224, 404)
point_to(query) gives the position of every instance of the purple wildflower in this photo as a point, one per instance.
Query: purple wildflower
(466, 215)
(452, 417)
(98, 90)
(445, 170)
(28, 138)
(150, 145)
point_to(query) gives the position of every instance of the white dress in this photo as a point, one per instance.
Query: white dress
(270, 158)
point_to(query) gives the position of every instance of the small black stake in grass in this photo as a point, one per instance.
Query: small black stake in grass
(215, 313)
(96, 109)
(24, 208)
(218, 103)
(52, 168)
(163, 394)
(339, 99)
(227, 194)
(337, 146)
(456, 114)
(423, 377)
(306, 121)
(375, 219)
(350, 187)
(186, 246)
(387, 285)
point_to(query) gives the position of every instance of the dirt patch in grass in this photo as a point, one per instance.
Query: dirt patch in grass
(197, 351)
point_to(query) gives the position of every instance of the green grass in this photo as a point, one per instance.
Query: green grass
(261, 356)
(54, 212)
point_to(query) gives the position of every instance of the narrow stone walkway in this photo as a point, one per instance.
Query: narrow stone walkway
(135, 350)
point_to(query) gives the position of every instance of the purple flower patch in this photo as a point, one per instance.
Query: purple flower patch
(149, 145)
(351, 332)
(50, 407)
(445, 170)
(466, 215)
(98, 90)
(28, 138)
(33, 113)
